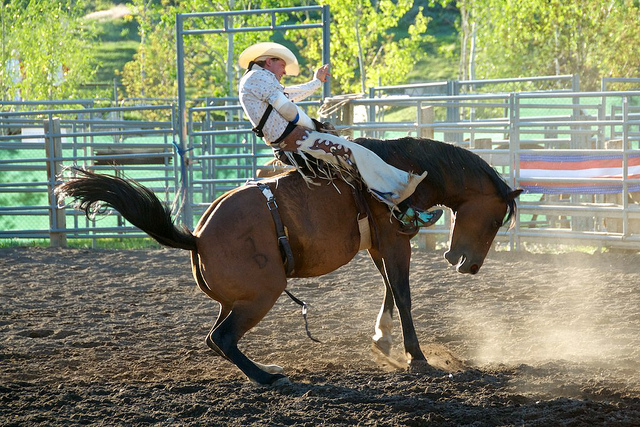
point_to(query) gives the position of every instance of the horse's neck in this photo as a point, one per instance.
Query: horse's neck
(460, 178)
(455, 186)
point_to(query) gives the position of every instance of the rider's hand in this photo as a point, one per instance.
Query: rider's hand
(322, 73)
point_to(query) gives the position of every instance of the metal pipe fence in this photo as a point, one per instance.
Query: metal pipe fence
(503, 127)
(102, 139)
(228, 23)
(508, 130)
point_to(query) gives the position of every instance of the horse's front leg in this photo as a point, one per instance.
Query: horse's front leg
(382, 339)
(394, 268)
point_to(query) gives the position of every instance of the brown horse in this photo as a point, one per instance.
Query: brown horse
(237, 261)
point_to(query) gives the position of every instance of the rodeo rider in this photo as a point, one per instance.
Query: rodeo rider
(290, 132)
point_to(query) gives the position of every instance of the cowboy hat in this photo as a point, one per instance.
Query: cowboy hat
(265, 50)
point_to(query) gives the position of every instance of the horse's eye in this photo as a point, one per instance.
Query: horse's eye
(497, 223)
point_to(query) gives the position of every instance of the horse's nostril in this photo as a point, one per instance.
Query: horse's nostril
(474, 269)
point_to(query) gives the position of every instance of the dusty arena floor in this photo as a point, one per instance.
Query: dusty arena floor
(117, 338)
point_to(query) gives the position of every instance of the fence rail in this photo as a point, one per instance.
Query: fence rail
(505, 129)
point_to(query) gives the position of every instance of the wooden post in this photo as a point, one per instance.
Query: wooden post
(346, 119)
(426, 241)
(53, 148)
(613, 225)
(482, 143)
(427, 116)
(339, 110)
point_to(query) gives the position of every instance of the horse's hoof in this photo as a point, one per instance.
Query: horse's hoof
(383, 346)
(419, 367)
(271, 380)
(272, 369)
(281, 381)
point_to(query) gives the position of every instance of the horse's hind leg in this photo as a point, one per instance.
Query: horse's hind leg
(204, 287)
(244, 316)
(224, 312)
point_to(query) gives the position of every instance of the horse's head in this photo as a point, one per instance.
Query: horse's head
(478, 196)
(475, 223)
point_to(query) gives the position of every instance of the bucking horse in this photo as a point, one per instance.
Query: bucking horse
(242, 252)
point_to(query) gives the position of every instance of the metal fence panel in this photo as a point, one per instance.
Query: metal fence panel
(111, 140)
(507, 130)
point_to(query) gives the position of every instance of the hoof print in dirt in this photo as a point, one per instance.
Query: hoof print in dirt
(36, 333)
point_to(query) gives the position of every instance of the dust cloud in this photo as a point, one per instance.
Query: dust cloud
(571, 309)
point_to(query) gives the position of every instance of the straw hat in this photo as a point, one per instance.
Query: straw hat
(266, 50)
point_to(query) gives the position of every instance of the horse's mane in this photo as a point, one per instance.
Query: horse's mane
(441, 160)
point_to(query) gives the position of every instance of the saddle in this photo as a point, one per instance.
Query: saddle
(285, 151)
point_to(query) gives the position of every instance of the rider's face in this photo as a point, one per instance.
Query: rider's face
(276, 66)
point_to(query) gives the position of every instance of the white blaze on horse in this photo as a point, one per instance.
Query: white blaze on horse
(236, 252)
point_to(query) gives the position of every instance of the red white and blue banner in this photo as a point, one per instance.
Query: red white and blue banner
(572, 166)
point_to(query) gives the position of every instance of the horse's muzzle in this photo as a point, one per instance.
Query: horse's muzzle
(462, 262)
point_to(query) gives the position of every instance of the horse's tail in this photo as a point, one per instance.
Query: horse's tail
(136, 203)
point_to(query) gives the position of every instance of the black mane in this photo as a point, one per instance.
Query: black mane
(441, 160)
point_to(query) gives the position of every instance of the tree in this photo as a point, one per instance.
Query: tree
(591, 38)
(152, 73)
(360, 29)
(366, 47)
(46, 50)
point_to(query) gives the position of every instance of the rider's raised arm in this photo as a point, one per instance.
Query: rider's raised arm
(299, 92)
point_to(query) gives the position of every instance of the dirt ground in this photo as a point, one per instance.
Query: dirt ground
(117, 338)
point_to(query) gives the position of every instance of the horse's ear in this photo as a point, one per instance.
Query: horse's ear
(515, 193)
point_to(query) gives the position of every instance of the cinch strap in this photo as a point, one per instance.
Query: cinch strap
(283, 242)
(284, 246)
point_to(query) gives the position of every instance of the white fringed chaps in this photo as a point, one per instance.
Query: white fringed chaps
(386, 182)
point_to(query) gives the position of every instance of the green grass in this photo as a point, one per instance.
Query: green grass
(117, 42)
(101, 243)
(442, 54)
(441, 62)
(112, 56)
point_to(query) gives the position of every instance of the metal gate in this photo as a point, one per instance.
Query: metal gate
(208, 148)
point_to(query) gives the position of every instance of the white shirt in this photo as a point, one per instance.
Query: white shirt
(258, 88)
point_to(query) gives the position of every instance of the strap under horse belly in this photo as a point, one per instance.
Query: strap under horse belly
(285, 247)
(283, 242)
